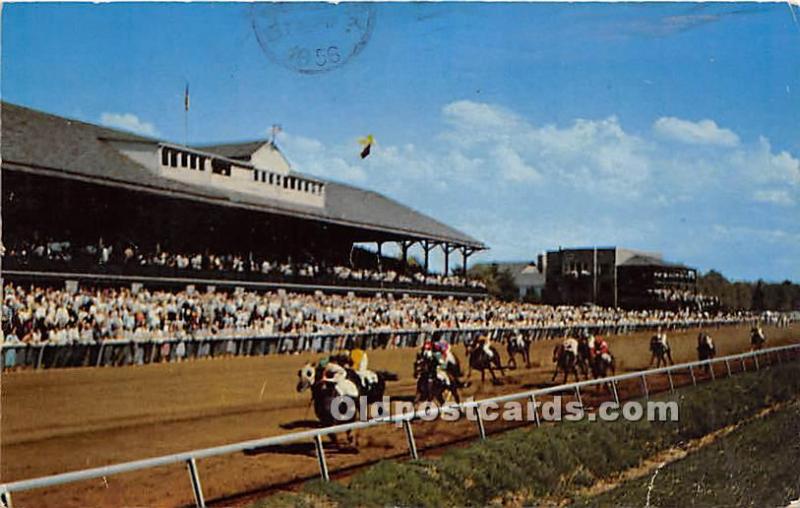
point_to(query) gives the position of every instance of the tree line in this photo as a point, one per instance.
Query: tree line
(733, 295)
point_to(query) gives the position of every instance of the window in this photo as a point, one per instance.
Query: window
(271, 178)
(193, 161)
(255, 175)
(173, 158)
(184, 159)
(164, 156)
(263, 176)
(285, 183)
(219, 167)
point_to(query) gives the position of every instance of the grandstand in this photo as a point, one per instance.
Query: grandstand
(91, 204)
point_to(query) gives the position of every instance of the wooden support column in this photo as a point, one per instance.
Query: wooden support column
(465, 254)
(447, 249)
(427, 248)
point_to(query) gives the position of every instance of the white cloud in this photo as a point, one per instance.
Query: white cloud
(470, 114)
(704, 132)
(128, 122)
(761, 164)
(310, 155)
(776, 197)
(513, 167)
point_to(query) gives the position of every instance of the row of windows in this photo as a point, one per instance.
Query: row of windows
(175, 158)
(675, 275)
(586, 267)
(287, 182)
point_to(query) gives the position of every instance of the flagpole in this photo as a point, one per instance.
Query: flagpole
(186, 115)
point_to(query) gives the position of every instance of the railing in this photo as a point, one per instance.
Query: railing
(190, 458)
(140, 352)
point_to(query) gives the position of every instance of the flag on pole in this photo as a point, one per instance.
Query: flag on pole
(367, 144)
(186, 98)
(276, 129)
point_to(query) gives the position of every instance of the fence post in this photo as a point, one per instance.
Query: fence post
(481, 428)
(694, 379)
(578, 396)
(323, 466)
(614, 389)
(412, 445)
(744, 365)
(671, 383)
(711, 370)
(5, 498)
(644, 386)
(755, 358)
(200, 502)
(728, 367)
(100, 354)
(41, 354)
(535, 411)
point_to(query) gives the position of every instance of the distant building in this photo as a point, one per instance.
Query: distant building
(617, 277)
(528, 278)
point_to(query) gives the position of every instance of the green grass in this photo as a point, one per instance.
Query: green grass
(553, 462)
(755, 465)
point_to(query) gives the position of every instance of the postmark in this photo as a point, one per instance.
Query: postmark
(312, 38)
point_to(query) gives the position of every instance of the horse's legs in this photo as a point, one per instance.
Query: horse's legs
(456, 396)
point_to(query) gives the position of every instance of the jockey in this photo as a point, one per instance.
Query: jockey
(359, 358)
(331, 371)
(571, 345)
(600, 346)
(486, 343)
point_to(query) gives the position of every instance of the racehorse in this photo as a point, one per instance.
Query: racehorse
(433, 383)
(659, 347)
(565, 360)
(757, 338)
(602, 364)
(584, 359)
(518, 345)
(484, 357)
(705, 348)
(325, 393)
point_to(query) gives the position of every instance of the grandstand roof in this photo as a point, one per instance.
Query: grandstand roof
(241, 150)
(51, 145)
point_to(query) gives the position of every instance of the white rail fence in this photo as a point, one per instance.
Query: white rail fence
(110, 353)
(190, 458)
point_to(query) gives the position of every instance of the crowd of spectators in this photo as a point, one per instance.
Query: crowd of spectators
(128, 255)
(33, 314)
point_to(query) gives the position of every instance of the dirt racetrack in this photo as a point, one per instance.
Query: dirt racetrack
(63, 420)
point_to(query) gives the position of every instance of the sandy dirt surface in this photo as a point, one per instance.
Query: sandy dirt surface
(63, 420)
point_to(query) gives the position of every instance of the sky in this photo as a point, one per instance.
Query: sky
(664, 127)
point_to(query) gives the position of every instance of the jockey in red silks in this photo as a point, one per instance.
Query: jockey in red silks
(600, 346)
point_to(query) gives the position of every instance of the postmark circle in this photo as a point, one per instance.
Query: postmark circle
(312, 38)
